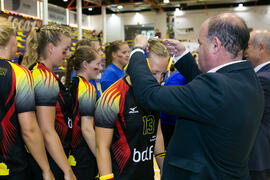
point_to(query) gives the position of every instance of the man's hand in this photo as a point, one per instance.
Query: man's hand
(174, 47)
(141, 41)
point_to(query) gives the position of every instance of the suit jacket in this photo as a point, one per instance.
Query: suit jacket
(260, 156)
(219, 115)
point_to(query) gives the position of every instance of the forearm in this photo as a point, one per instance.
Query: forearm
(104, 161)
(188, 67)
(160, 161)
(33, 139)
(159, 148)
(35, 144)
(139, 72)
(55, 149)
(103, 154)
(89, 136)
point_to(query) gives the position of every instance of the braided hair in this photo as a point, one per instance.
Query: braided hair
(38, 40)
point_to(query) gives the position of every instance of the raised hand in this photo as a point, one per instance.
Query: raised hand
(174, 47)
(141, 41)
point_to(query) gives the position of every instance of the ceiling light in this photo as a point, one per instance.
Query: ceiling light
(166, 1)
(120, 7)
(241, 7)
(138, 18)
(90, 9)
(178, 12)
(65, 0)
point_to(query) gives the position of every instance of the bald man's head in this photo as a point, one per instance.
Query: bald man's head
(258, 50)
(231, 30)
(260, 36)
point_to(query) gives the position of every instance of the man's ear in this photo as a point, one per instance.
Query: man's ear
(216, 45)
(262, 47)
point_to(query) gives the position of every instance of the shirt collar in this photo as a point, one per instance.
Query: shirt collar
(257, 68)
(223, 65)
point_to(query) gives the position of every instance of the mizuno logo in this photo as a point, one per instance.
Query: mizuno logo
(133, 110)
(3, 71)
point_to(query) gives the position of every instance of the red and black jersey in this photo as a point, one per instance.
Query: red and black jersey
(135, 130)
(49, 91)
(17, 96)
(85, 97)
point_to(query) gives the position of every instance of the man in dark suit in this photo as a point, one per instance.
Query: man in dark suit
(219, 110)
(258, 53)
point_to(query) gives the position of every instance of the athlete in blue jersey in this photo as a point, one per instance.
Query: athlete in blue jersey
(117, 55)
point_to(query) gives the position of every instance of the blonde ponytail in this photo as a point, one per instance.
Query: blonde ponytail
(38, 40)
(31, 55)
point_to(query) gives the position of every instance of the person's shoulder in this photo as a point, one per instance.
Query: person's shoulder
(83, 83)
(212, 80)
(225, 83)
(264, 77)
(176, 79)
(118, 85)
(110, 68)
(40, 71)
(178, 75)
(45, 80)
(17, 66)
(265, 68)
(264, 71)
(107, 70)
(118, 88)
(109, 105)
(20, 71)
(109, 73)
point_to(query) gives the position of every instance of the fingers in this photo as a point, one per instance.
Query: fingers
(174, 46)
(171, 46)
(141, 41)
